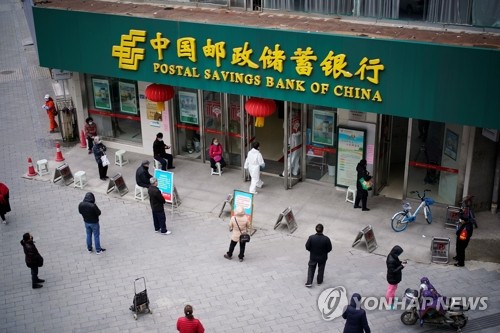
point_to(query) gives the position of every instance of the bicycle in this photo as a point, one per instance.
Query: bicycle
(400, 220)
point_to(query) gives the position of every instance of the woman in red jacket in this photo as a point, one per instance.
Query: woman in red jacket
(4, 202)
(189, 324)
(215, 152)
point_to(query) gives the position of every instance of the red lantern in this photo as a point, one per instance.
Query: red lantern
(159, 93)
(260, 108)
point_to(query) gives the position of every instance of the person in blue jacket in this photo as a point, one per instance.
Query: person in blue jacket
(355, 317)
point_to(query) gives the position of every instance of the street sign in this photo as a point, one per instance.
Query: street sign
(245, 200)
(288, 217)
(440, 248)
(117, 182)
(369, 235)
(63, 172)
(59, 74)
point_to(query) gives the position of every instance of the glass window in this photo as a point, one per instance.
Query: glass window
(320, 143)
(113, 104)
(187, 122)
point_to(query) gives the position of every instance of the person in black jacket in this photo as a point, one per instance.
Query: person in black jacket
(361, 194)
(160, 154)
(99, 150)
(394, 274)
(318, 246)
(90, 213)
(464, 233)
(355, 317)
(157, 202)
(33, 259)
(142, 175)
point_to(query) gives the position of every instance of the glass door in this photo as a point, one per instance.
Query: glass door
(293, 147)
(215, 120)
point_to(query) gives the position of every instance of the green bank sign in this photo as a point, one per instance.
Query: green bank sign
(418, 80)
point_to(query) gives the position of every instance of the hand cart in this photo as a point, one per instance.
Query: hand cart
(140, 303)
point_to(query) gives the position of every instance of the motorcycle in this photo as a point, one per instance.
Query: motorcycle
(449, 312)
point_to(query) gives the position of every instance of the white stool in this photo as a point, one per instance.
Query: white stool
(140, 193)
(350, 195)
(42, 167)
(80, 179)
(157, 164)
(120, 158)
(219, 170)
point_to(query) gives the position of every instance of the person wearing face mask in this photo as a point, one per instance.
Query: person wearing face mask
(215, 152)
(90, 130)
(161, 155)
(142, 175)
(254, 163)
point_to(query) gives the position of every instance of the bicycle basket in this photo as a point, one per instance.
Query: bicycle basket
(406, 206)
(429, 201)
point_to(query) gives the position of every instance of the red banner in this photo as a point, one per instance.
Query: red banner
(432, 166)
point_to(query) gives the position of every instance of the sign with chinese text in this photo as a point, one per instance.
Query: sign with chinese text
(348, 72)
(165, 184)
(245, 200)
(350, 150)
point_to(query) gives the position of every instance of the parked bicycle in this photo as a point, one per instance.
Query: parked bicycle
(400, 220)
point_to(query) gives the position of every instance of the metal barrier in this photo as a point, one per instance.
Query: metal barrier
(452, 216)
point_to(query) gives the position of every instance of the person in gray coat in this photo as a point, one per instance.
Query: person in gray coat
(318, 246)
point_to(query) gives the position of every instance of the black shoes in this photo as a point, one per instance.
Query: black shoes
(455, 258)
(172, 167)
(308, 285)
(365, 209)
(357, 206)
(227, 257)
(458, 265)
(37, 286)
(40, 281)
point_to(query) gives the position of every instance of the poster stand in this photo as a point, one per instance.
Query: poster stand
(117, 183)
(452, 217)
(440, 249)
(369, 235)
(63, 172)
(288, 218)
(229, 200)
(245, 200)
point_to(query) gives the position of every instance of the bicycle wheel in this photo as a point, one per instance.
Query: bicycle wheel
(397, 223)
(428, 214)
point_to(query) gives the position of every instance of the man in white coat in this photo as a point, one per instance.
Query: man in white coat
(253, 164)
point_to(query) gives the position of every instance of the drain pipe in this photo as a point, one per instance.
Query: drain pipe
(496, 183)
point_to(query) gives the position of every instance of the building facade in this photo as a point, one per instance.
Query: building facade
(423, 114)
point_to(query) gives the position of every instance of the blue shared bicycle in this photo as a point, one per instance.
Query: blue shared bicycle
(400, 220)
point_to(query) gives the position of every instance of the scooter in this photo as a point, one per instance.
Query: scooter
(452, 315)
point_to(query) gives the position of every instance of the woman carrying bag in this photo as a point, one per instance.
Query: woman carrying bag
(238, 224)
(99, 151)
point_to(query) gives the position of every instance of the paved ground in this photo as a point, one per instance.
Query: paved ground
(265, 293)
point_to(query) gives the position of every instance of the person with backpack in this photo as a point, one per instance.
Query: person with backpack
(464, 233)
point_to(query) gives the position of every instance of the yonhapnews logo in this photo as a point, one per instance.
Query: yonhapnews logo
(332, 302)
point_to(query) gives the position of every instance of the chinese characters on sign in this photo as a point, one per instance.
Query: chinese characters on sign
(133, 46)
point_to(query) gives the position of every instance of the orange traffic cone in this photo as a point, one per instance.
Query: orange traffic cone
(59, 156)
(31, 169)
(83, 140)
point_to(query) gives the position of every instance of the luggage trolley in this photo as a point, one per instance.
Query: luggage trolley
(140, 303)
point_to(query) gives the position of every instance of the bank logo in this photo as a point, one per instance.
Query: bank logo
(127, 53)
(332, 302)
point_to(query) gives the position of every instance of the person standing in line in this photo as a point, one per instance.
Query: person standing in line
(394, 273)
(99, 150)
(142, 175)
(50, 107)
(160, 154)
(238, 224)
(90, 129)
(4, 202)
(33, 259)
(318, 246)
(215, 152)
(254, 163)
(355, 317)
(157, 202)
(464, 233)
(90, 213)
(188, 323)
(361, 194)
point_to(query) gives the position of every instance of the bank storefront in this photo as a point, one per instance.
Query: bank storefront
(411, 109)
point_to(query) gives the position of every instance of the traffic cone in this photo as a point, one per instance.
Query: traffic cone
(83, 140)
(59, 156)
(31, 169)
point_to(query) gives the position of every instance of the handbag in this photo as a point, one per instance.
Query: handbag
(104, 160)
(366, 184)
(244, 237)
(217, 158)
